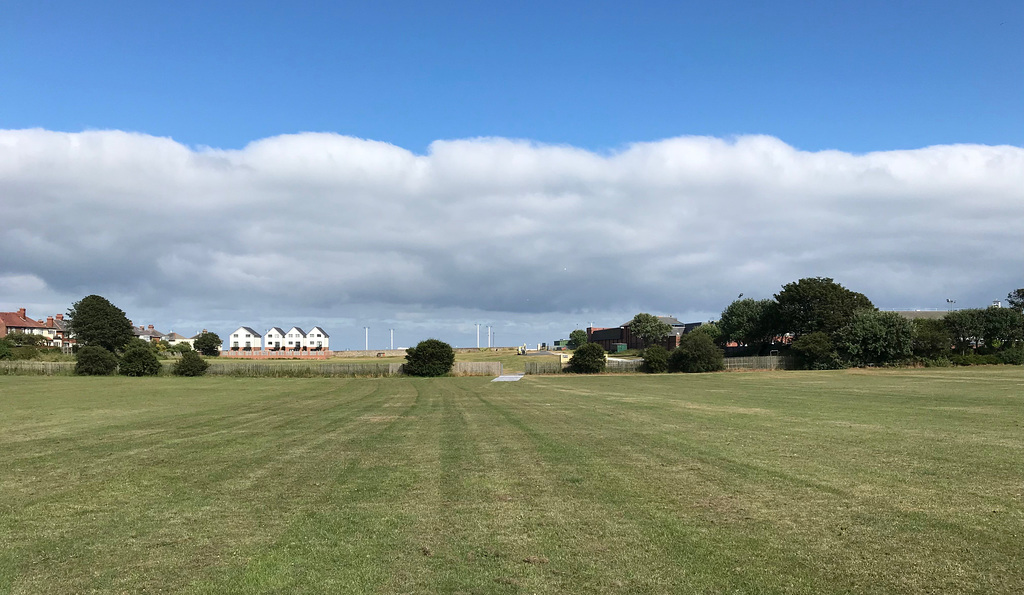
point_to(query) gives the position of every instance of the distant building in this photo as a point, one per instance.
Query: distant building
(609, 338)
(19, 322)
(173, 339)
(147, 333)
(245, 339)
(317, 339)
(274, 338)
(295, 339)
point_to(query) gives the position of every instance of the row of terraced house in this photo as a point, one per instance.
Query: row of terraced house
(277, 339)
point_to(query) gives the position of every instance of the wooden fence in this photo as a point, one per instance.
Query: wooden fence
(763, 362)
(31, 368)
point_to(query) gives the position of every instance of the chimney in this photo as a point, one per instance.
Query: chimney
(59, 317)
(151, 327)
(49, 321)
(21, 312)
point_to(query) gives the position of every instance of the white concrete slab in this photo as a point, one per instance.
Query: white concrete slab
(508, 378)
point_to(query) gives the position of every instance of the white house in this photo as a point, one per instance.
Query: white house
(295, 339)
(317, 339)
(274, 339)
(173, 338)
(245, 339)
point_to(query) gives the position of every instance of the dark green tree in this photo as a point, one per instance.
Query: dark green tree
(649, 328)
(190, 364)
(696, 353)
(208, 344)
(588, 359)
(874, 337)
(931, 337)
(576, 338)
(966, 328)
(139, 360)
(818, 304)
(1002, 327)
(710, 329)
(749, 321)
(429, 358)
(655, 359)
(817, 351)
(5, 350)
(95, 321)
(1016, 299)
(93, 360)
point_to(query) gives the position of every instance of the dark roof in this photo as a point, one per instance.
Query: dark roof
(174, 336)
(276, 328)
(317, 328)
(149, 332)
(299, 329)
(669, 320)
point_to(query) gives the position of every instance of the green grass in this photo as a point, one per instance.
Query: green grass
(901, 481)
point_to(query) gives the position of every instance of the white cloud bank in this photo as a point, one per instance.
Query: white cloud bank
(312, 225)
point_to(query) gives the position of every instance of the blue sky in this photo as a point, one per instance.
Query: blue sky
(856, 77)
(534, 166)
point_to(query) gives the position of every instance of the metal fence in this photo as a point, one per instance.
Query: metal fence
(763, 362)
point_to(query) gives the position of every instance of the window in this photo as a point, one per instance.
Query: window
(235, 335)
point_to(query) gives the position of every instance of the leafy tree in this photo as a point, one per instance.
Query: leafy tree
(710, 329)
(19, 339)
(965, 327)
(649, 329)
(817, 351)
(139, 360)
(874, 337)
(429, 358)
(749, 321)
(655, 359)
(931, 337)
(208, 344)
(818, 304)
(696, 353)
(5, 349)
(576, 338)
(1002, 326)
(95, 321)
(93, 360)
(1016, 299)
(588, 359)
(190, 364)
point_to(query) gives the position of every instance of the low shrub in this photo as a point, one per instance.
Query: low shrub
(588, 359)
(1013, 355)
(974, 359)
(696, 353)
(5, 350)
(655, 359)
(817, 352)
(190, 364)
(429, 358)
(92, 360)
(139, 360)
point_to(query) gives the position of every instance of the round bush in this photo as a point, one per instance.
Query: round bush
(655, 359)
(697, 352)
(139, 360)
(190, 364)
(92, 360)
(588, 359)
(429, 358)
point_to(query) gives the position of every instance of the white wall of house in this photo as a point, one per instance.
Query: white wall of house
(316, 337)
(295, 338)
(245, 337)
(275, 337)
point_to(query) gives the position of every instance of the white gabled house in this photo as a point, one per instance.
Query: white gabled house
(245, 339)
(317, 339)
(295, 339)
(274, 340)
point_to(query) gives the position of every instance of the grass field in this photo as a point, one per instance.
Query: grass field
(905, 481)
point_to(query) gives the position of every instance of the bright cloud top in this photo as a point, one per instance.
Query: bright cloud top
(495, 224)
